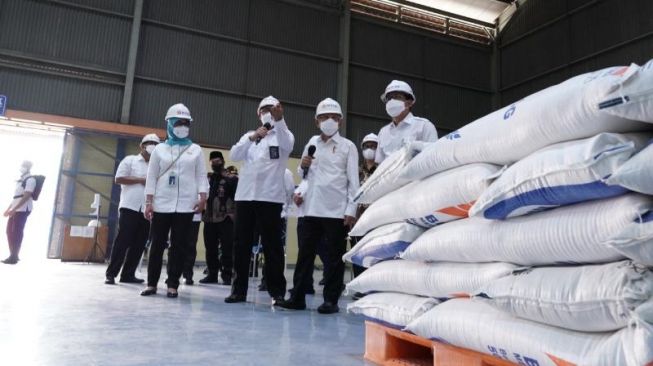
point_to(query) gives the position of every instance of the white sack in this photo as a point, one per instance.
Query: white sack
(563, 112)
(385, 242)
(633, 99)
(443, 197)
(386, 176)
(595, 298)
(580, 233)
(439, 280)
(392, 308)
(480, 327)
(636, 174)
(558, 175)
(635, 241)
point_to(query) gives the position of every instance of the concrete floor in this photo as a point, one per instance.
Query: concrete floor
(53, 313)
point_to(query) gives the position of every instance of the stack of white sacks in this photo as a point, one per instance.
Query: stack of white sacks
(552, 266)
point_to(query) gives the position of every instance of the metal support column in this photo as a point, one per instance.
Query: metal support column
(343, 69)
(131, 62)
(495, 74)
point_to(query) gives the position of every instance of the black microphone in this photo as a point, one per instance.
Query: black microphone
(311, 152)
(267, 126)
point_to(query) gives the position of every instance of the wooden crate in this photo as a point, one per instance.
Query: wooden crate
(390, 347)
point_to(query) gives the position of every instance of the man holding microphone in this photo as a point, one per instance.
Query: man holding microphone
(331, 162)
(259, 199)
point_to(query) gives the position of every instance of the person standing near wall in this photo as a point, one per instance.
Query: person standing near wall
(367, 168)
(133, 228)
(18, 211)
(329, 208)
(399, 99)
(219, 218)
(259, 198)
(176, 177)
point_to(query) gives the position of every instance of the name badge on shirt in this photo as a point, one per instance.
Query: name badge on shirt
(274, 152)
(172, 179)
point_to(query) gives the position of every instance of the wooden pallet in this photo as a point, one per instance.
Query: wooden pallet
(390, 347)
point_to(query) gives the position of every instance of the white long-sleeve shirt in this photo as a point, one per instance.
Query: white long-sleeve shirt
(189, 173)
(392, 137)
(332, 178)
(289, 184)
(262, 174)
(132, 196)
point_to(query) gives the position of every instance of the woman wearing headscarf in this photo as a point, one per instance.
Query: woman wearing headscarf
(176, 177)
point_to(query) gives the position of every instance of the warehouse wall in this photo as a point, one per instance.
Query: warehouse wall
(550, 41)
(451, 79)
(220, 57)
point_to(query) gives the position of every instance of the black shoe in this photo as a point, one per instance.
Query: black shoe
(10, 260)
(226, 281)
(322, 282)
(148, 292)
(278, 300)
(172, 294)
(234, 298)
(328, 308)
(262, 287)
(209, 279)
(132, 280)
(293, 304)
(189, 281)
(109, 281)
(358, 296)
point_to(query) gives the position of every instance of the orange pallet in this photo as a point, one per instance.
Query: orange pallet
(390, 347)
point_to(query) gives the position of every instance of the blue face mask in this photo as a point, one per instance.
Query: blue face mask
(172, 138)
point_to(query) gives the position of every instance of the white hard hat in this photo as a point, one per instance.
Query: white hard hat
(372, 137)
(178, 111)
(267, 101)
(397, 86)
(152, 137)
(328, 106)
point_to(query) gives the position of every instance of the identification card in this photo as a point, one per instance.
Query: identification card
(172, 179)
(274, 152)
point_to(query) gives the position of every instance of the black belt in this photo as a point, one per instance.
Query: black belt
(18, 196)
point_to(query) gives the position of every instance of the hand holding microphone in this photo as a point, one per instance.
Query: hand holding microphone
(262, 131)
(307, 160)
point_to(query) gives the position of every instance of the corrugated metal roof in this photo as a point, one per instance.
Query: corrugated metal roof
(487, 11)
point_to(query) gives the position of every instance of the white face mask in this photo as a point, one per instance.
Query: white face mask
(266, 118)
(329, 127)
(23, 170)
(181, 131)
(394, 107)
(150, 149)
(369, 154)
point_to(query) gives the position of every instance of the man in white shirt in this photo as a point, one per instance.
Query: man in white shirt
(133, 228)
(399, 99)
(328, 206)
(259, 199)
(18, 211)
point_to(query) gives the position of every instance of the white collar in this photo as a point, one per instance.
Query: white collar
(407, 120)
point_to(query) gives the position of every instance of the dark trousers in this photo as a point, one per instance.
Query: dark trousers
(314, 229)
(191, 250)
(15, 230)
(321, 252)
(219, 244)
(264, 218)
(128, 247)
(178, 225)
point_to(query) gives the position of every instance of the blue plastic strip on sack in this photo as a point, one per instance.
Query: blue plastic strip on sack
(549, 197)
(379, 252)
